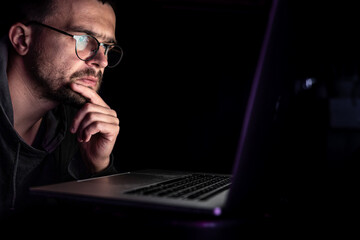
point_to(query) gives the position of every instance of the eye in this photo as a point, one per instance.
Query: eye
(82, 42)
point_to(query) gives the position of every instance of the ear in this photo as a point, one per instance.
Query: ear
(20, 38)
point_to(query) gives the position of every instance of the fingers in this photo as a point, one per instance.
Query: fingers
(94, 117)
(94, 123)
(88, 93)
(108, 131)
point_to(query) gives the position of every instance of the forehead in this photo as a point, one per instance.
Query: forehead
(89, 15)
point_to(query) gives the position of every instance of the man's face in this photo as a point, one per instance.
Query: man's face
(52, 60)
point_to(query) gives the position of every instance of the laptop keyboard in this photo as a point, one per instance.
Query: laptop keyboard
(195, 186)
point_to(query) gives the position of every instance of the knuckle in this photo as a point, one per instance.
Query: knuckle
(117, 121)
(91, 116)
(113, 113)
(97, 125)
(87, 107)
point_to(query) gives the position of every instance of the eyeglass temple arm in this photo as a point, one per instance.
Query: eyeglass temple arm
(44, 25)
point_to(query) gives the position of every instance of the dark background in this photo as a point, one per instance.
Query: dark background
(183, 83)
(181, 90)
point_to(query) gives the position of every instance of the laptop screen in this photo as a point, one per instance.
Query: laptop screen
(262, 138)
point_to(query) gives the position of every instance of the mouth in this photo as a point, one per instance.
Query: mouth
(88, 81)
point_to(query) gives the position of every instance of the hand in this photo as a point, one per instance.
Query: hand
(97, 127)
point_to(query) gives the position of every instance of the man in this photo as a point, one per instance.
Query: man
(54, 126)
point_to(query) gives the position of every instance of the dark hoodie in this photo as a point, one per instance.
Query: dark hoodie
(52, 158)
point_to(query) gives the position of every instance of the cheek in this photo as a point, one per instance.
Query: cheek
(64, 62)
(64, 56)
(59, 60)
(61, 50)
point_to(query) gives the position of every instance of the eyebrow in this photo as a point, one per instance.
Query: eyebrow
(94, 34)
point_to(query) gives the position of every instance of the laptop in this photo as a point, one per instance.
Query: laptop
(213, 193)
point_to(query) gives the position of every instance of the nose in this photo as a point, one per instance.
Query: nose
(100, 59)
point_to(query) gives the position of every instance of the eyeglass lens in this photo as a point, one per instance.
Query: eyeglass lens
(87, 47)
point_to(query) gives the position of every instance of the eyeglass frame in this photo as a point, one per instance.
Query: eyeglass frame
(106, 46)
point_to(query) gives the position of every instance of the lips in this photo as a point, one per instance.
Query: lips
(88, 81)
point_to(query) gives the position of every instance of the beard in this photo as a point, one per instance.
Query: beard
(51, 81)
(63, 93)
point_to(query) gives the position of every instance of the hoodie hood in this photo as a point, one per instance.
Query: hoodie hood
(54, 123)
(5, 99)
(20, 162)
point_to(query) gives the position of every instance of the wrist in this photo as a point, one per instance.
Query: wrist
(99, 165)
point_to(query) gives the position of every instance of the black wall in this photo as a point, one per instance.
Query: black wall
(181, 89)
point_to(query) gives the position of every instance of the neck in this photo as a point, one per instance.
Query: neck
(28, 107)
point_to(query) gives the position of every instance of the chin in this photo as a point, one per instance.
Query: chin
(75, 100)
(68, 96)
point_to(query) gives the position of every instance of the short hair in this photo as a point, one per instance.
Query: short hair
(26, 10)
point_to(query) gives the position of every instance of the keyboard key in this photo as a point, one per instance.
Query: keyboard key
(195, 186)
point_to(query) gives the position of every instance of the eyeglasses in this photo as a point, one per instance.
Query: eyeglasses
(87, 46)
